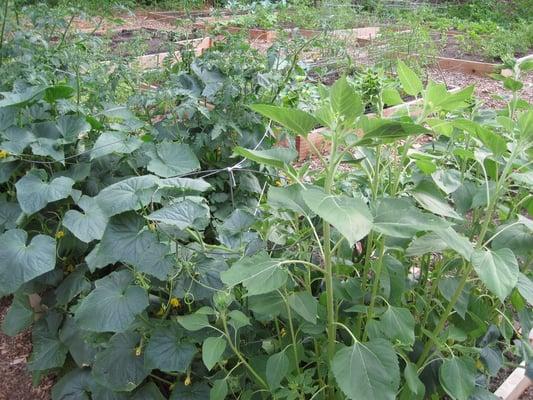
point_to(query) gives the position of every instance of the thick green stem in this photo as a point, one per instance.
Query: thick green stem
(293, 334)
(375, 287)
(239, 355)
(328, 268)
(2, 31)
(465, 272)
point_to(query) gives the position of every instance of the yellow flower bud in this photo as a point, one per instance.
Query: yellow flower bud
(152, 226)
(3, 154)
(175, 302)
(138, 351)
(187, 380)
(161, 312)
(59, 234)
(283, 332)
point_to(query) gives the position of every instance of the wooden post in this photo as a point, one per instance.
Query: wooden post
(516, 383)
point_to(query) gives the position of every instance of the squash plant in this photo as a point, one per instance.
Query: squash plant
(406, 275)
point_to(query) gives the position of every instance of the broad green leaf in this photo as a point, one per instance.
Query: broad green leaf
(483, 394)
(185, 185)
(448, 180)
(72, 127)
(267, 306)
(350, 216)
(219, 391)
(277, 368)
(80, 347)
(442, 127)
(33, 93)
(276, 157)
(448, 286)
(498, 270)
(115, 142)
(492, 140)
(378, 131)
(367, 370)
(21, 261)
(48, 148)
(523, 177)
(118, 367)
(168, 159)
(512, 84)
(74, 284)
(438, 98)
(167, 352)
(238, 320)
(453, 240)
(34, 194)
(398, 325)
(90, 224)
(458, 377)
(413, 381)
(428, 243)
(287, 198)
(401, 218)
(295, 120)
(113, 305)
(10, 212)
(518, 238)
(212, 350)
(196, 391)
(525, 123)
(411, 83)
(391, 97)
(492, 359)
(305, 305)
(525, 287)
(183, 214)
(127, 239)
(74, 385)
(428, 196)
(129, 194)
(47, 350)
(57, 92)
(204, 280)
(19, 316)
(194, 322)
(258, 274)
(345, 101)
(14, 140)
(148, 391)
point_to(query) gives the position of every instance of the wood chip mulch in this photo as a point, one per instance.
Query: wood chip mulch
(15, 380)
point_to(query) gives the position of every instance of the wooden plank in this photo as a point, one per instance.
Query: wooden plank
(516, 383)
(467, 66)
(152, 61)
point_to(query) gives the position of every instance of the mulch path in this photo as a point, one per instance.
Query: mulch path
(15, 380)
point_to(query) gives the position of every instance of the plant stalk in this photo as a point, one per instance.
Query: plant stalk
(2, 31)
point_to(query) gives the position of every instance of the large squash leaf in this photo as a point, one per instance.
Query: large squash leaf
(113, 305)
(21, 261)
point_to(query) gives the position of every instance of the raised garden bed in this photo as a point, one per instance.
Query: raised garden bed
(150, 41)
(166, 15)
(151, 61)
